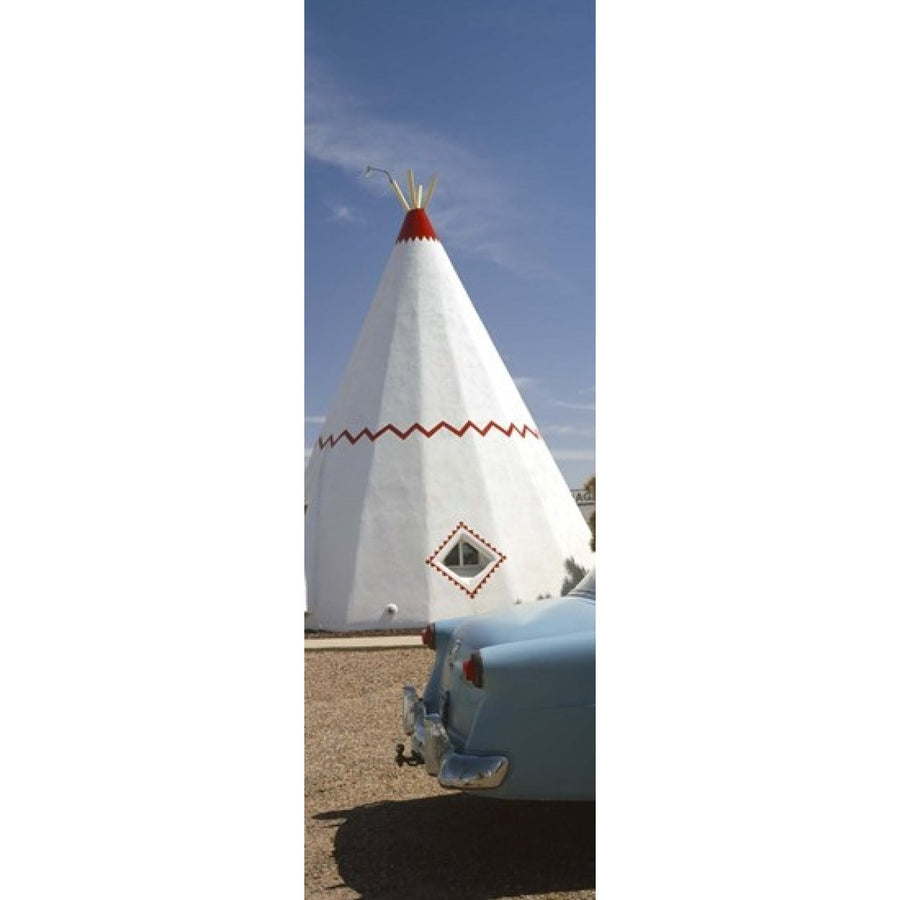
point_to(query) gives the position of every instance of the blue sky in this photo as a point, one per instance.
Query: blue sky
(497, 100)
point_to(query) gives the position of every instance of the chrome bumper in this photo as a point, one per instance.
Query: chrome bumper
(472, 773)
(430, 741)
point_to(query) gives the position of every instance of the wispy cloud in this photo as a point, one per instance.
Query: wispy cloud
(567, 404)
(573, 455)
(315, 420)
(537, 388)
(568, 430)
(341, 212)
(343, 130)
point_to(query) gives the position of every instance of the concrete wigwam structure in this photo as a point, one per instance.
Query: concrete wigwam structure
(430, 493)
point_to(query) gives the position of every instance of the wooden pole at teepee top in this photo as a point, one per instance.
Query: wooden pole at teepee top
(430, 191)
(416, 200)
(370, 169)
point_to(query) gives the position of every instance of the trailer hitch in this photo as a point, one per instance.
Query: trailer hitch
(414, 758)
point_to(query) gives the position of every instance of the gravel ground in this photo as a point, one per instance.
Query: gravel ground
(375, 830)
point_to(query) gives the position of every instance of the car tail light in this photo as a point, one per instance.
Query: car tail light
(428, 636)
(473, 670)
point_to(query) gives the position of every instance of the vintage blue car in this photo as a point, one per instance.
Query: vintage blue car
(509, 708)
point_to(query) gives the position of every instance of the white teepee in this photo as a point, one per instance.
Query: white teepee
(430, 493)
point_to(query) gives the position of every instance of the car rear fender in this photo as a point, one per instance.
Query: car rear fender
(541, 673)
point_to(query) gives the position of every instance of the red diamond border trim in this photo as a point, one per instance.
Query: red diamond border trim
(501, 558)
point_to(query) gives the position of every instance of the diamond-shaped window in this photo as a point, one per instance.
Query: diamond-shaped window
(466, 558)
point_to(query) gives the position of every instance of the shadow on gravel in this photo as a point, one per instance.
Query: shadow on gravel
(463, 846)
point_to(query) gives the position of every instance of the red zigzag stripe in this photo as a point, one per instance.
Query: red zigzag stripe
(522, 431)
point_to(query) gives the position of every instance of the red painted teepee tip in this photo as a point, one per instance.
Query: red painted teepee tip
(417, 225)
